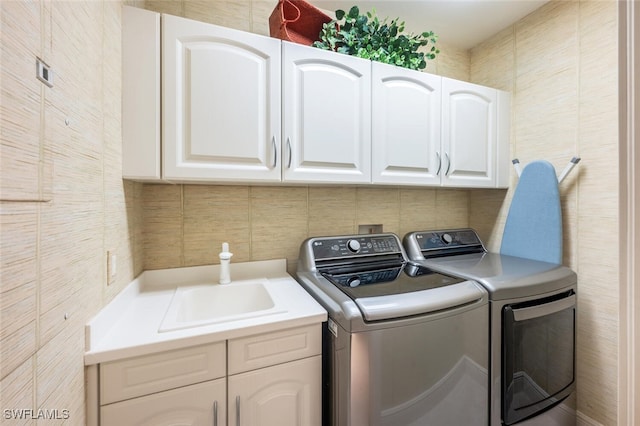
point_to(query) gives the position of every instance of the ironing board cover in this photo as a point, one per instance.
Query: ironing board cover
(534, 224)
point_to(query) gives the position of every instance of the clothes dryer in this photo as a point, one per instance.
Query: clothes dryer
(532, 324)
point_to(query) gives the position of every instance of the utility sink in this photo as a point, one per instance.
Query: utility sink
(206, 304)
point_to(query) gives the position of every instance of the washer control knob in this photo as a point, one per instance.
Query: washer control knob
(353, 246)
(354, 281)
(447, 238)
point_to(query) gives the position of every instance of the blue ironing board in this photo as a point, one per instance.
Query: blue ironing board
(534, 224)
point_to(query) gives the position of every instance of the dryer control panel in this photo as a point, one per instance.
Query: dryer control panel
(442, 243)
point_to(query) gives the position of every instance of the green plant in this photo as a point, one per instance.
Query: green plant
(367, 37)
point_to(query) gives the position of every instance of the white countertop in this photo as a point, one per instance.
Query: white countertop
(128, 325)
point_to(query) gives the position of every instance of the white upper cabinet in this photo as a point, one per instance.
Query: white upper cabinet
(140, 94)
(430, 130)
(239, 107)
(221, 103)
(473, 144)
(406, 118)
(326, 116)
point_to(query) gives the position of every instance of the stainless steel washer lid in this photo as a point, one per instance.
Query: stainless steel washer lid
(365, 257)
(505, 277)
(404, 291)
(420, 302)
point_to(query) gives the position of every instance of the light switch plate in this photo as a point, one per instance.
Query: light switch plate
(111, 267)
(44, 73)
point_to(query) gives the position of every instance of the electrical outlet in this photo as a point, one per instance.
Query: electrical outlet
(370, 229)
(111, 267)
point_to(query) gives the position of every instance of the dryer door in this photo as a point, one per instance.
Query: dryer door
(538, 352)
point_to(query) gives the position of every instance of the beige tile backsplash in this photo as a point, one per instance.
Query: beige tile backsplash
(185, 225)
(213, 214)
(63, 203)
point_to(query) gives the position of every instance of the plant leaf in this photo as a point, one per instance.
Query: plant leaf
(369, 37)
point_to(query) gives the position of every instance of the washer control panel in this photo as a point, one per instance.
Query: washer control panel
(357, 245)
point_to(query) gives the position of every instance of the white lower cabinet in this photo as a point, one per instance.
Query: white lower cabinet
(201, 404)
(270, 379)
(282, 395)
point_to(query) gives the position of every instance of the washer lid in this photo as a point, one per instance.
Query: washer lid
(404, 290)
(419, 303)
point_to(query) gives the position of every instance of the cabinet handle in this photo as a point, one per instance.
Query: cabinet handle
(275, 151)
(439, 163)
(448, 164)
(215, 413)
(238, 410)
(289, 149)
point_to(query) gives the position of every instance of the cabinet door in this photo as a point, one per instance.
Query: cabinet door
(469, 134)
(327, 116)
(283, 395)
(406, 126)
(221, 103)
(201, 404)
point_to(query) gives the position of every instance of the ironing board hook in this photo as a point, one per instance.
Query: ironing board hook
(516, 165)
(563, 175)
(570, 166)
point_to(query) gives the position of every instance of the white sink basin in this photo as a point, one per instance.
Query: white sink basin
(196, 306)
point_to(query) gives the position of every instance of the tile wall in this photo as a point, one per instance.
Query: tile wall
(185, 225)
(560, 63)
(63, 203)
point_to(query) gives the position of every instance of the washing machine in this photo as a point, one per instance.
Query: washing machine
(532, 324)
(403, 345)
